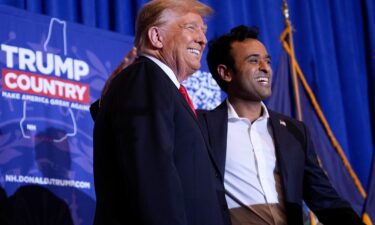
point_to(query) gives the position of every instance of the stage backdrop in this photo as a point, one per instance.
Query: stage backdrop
(51, 71)
(334, 43)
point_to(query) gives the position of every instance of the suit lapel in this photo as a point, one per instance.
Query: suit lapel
(203, 131)
(279, 130)
(181, 98)
(217, 126)
(186, 105)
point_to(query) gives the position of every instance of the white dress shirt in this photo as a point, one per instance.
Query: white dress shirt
(251, 175)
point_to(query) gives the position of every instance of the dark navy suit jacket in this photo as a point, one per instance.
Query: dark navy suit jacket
(301, 176)
(152, 164)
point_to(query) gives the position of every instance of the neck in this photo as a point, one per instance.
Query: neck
(251, 110)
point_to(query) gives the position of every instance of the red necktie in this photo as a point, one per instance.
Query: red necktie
(187, 98)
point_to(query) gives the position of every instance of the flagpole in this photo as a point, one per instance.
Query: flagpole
(295, 68)
(288, 29)
(287, 42)
(296, 72)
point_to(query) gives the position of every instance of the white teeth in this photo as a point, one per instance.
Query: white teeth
(194, 51)
(262, 79)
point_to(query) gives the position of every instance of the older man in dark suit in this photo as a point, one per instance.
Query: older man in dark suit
(152, 164)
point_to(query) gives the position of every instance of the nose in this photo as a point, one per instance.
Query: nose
(264, 66)
(201, 37)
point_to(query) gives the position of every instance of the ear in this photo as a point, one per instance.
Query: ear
(155, 38)
(224, 72)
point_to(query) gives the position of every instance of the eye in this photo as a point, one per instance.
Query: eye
(190, 27)
(254, 60)
(194, 28)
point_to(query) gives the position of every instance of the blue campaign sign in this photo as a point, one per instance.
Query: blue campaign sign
(51, 71)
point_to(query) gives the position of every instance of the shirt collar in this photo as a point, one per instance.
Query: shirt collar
(232, 114)
(167, 70)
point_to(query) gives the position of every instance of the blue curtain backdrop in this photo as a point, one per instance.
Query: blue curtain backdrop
(334, 43)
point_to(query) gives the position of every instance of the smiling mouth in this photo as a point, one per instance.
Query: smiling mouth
(263, 80)
(194, 51)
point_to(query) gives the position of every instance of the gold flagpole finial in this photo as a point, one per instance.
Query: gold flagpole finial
(286, 12)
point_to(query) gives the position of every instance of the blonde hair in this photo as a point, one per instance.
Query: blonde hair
(151, 15)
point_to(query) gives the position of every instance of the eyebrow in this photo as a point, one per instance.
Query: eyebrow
(204, 27)
(257, 55)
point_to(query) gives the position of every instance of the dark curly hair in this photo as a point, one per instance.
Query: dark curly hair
(219, 50)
